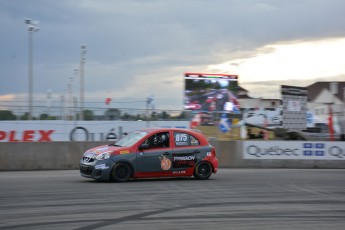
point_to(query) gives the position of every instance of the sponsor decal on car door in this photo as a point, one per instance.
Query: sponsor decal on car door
(184, 159)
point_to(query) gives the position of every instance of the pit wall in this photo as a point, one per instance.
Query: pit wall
(231, 154)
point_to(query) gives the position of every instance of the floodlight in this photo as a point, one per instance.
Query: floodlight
(28, 21)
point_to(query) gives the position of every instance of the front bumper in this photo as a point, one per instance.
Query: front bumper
(99, 170)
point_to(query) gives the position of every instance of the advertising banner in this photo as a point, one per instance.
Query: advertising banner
(294, 150)
(294, 107)
(59, 130)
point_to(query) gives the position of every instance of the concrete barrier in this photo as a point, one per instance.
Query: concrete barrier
(43, 155)
(66, 155)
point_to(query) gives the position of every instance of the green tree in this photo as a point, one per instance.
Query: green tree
(183, 115)
(7, 115)
(164, 115)
(127, 116)
(154, 116)
(113, 114)
(88, 115)
(138, 117)
(44, 116)
(25, 116)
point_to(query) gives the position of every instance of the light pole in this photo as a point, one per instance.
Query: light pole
(74, 99)
(82, 61)
(49, 99)
(69, 97)
(32, 27)
(343, 128)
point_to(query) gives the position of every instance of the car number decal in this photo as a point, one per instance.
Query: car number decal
(181, 139)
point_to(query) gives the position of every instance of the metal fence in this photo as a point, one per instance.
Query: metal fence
(61, 110)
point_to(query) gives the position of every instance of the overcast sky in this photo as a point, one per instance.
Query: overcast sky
(138, 48)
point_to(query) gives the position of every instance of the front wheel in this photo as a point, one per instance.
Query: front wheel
(121, 172)
(203, 171)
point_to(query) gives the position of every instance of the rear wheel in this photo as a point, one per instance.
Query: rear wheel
(121, 172)
(203, 171)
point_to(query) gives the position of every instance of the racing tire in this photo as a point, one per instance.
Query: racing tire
(121, 172)
(203, 171)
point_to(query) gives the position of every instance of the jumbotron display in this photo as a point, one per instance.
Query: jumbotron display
(211, 92)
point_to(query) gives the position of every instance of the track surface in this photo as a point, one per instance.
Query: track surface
(232, 199)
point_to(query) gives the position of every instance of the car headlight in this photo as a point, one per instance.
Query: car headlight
(103, 156)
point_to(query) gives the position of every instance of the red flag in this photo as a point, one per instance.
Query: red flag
(107, 100)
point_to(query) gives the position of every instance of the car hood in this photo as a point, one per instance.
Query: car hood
(108, 148)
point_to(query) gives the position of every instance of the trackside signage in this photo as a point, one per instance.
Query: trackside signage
(294, 150)
(47, 131)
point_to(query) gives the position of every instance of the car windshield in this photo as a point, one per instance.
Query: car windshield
(130, 139)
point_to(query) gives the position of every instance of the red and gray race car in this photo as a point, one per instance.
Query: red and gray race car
(152, 153)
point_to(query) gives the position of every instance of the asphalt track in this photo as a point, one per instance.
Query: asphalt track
(232, 199)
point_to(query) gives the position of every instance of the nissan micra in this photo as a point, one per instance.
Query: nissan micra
(152, 153)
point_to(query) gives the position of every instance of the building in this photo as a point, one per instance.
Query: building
(254, 103)
(325, 98)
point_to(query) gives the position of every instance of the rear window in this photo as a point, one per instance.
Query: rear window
(185, 139)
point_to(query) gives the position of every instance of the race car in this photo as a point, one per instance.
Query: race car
(152, 153)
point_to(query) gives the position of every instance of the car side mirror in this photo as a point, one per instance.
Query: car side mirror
(143, 147)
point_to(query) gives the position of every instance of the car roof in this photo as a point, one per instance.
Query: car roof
(195, 132)
(168, 129)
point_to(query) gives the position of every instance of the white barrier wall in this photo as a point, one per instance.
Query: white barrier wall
(57, 130)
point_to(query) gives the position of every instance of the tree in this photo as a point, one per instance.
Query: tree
(153, 116)
(88, 115)
(7, 115)
(164, 115)
(138, 117)
(127, 116)
(183, 115)
(45, 116)
(113, 114)
(25, 116)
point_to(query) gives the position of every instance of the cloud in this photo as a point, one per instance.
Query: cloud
(272, 89)
(136, 48)
(289, 61)
(7, 97)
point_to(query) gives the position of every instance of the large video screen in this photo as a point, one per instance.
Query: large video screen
(211, 92)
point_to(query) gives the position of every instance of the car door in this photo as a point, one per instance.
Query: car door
(185, 153)
(156, 160)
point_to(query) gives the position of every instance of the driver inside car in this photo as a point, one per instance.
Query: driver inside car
(160, 140)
